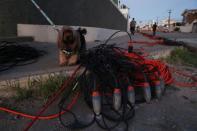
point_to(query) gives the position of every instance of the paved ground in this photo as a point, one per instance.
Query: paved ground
(189, 39)
(176, 111)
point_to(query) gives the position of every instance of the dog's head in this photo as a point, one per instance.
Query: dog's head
(69, 40)
(72, 41)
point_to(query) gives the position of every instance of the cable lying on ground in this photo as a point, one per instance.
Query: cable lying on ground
(14, 54)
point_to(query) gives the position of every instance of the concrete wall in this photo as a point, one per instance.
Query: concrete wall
(187, 28)
(91, 13)
(45, 33)
(9, 16)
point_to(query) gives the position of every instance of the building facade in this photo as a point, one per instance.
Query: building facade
(91, 13)
(189, 21)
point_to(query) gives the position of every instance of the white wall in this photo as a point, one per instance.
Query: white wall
(45, 33)
(187, 28)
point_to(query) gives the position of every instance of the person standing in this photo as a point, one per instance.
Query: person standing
(154, 28)
(132, 26)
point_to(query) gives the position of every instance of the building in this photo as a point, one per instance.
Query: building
(125, 10)
(189, 21)
(21, 16)
(165, 22)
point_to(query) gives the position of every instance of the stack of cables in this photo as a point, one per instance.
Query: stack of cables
(15, 54)
(105, 83)
(113, 81)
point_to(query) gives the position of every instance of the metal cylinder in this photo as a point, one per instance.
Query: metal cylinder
(157, 88)
(117, 99)
(131, 94)
(147, 92)
(96, 102)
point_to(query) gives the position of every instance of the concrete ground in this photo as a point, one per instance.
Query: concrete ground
(176, 111)
(190, 39)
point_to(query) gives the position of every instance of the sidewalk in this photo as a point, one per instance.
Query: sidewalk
(187, 39)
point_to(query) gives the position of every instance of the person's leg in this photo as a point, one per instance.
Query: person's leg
(131, 30)
(154, 32)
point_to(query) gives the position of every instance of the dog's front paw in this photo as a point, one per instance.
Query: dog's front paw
(73, 60)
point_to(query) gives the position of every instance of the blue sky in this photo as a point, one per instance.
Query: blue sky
(145, 10)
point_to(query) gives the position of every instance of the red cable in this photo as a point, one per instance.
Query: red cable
(185, 84)
(166, 73)
(149, 43)
(42, 117)
(55, 96)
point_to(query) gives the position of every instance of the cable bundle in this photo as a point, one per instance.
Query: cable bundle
(111, 81)
(13, 54)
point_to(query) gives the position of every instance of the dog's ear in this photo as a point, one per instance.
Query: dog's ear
(82, 31)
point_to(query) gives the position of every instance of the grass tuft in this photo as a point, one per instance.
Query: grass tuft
(38, 87)
(22, 93)
(50, 85)
(182, 56)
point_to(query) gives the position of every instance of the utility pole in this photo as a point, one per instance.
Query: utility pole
(169, 17)
(157, 20)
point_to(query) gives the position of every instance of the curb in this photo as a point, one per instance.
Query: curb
(170, 42)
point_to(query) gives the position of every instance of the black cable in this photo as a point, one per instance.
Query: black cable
(116, 34)
(14, 54)
(104, 65)
(76, 124)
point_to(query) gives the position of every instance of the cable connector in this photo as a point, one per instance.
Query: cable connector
(117, 98)
(96, 102)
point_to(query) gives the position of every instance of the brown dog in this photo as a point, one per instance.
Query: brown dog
(69, 44)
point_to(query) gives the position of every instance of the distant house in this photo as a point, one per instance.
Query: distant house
(189, 20)
(165, 22)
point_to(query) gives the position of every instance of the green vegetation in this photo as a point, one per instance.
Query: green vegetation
(22, 94)
(182, 56)
(42, 88)
(49, 86)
